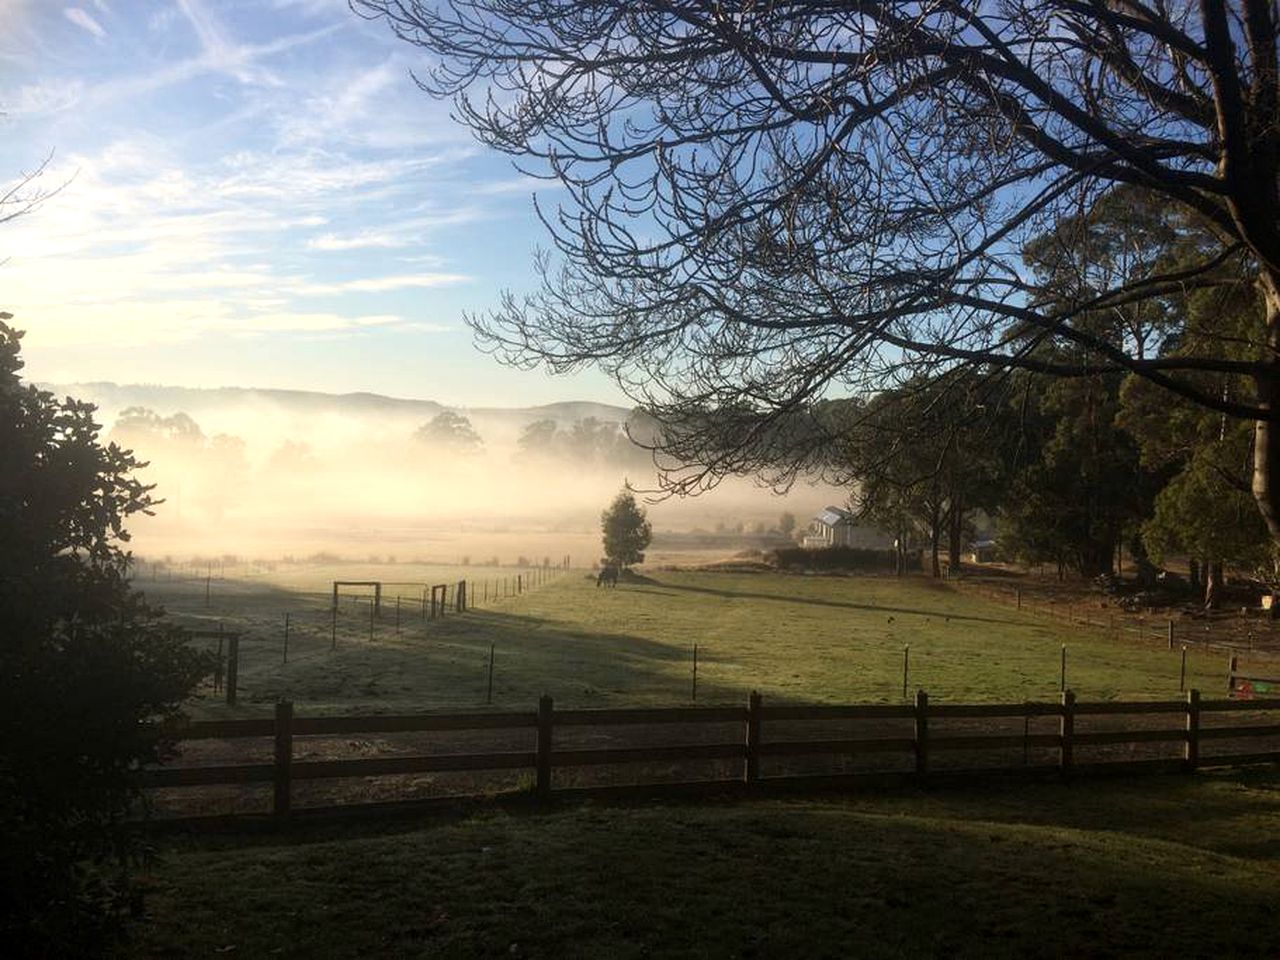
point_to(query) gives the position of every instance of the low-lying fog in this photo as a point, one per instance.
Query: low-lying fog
(257, 473)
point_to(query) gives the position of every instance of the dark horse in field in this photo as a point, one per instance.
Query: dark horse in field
(607, 575)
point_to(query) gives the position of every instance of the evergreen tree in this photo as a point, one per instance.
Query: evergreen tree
(626, 530)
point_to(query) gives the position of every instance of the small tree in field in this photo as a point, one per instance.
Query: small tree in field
(626, 530)
(89, 673)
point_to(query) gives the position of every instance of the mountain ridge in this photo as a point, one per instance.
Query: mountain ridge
(111, 397)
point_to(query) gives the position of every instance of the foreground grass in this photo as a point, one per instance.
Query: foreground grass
(1160, 867)
(834, 639)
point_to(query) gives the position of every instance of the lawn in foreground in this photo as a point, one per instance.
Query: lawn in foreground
(794, 638)
(1158, 867)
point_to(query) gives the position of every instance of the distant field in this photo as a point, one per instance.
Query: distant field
(812, 639)
(1159, 867)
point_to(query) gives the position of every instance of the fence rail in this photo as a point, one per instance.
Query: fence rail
(755, 719)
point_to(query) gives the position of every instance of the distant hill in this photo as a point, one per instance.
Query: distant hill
(203, 403)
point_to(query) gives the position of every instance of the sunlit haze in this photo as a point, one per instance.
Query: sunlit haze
(256, 194)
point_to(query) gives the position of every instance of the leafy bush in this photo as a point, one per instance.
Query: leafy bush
(91, 678)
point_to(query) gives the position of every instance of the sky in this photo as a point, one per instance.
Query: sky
(254, 193)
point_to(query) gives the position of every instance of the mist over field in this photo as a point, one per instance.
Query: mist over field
(270, 473)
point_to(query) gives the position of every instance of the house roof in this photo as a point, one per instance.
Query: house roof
(833, 516)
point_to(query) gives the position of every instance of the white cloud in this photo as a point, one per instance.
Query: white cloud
(525, 185)
(84, 21)
(381, 284)
(288, 322)
(314, 8)
(360, 241)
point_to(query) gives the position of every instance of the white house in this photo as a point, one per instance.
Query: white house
(832, 527)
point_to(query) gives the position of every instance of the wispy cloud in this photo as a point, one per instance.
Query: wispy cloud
(47, 97)
(82, 19)
(239, 62)
(220, 51)
(142, 249)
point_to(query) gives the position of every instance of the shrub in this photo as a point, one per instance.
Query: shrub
(91, 677)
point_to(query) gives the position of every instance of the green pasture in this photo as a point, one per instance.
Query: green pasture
(1160, 867)
(794, 638)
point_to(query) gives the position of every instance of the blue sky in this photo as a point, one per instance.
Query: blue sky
(256, 195)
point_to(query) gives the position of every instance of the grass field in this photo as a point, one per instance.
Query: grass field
(1159, 867)
(794, 638)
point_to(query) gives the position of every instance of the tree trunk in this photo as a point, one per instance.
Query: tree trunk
(955, 538)
(1212, 583)
(1266, 440)
(935, 535)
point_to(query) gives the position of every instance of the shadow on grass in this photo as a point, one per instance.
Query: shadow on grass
(1235, 812)
(914, 876)
(841, 604)
(447, 668)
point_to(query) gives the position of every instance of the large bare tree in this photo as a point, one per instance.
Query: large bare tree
(768, 202)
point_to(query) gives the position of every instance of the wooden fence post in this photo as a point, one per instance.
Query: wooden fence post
(1231, 676)
(1062, 671)
(1067, 732)
(1182, 671)
(751, 768)
(546, 707)
(906, 657)
(1170, 633)
(233, 667)
(1191, 750)
(284, 759)
(922, 733)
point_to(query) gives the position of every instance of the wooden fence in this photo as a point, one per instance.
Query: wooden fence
(1231, 632)
(745, 751)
